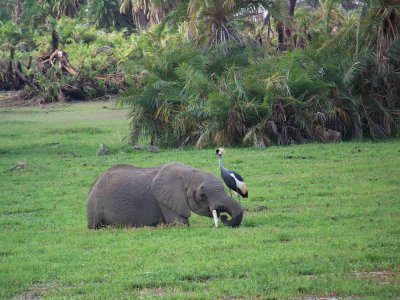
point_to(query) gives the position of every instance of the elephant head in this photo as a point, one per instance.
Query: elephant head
(181, 189)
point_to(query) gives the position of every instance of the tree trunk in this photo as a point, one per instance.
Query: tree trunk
(141, 20)
(288, 29)
(54, 40)
(280, 28)
(285, 31)
(17, 12)
(292, 6)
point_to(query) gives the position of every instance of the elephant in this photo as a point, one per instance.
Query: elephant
(130, 196)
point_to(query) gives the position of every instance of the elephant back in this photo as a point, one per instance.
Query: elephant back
(122, 196)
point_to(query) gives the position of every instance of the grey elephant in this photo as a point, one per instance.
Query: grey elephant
(125, 195)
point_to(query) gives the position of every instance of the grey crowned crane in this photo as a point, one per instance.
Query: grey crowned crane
(232, 179)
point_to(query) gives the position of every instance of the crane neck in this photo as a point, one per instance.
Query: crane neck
(220, 163)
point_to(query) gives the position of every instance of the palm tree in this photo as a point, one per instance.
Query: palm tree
(283, 13)
(63, 7)
(158, 101)
(374, 72)
(105, 14)
(146, 12)
(209, 22)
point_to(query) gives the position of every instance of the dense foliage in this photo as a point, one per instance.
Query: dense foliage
(215, 72)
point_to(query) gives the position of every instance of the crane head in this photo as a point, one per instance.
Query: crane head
(220, 151)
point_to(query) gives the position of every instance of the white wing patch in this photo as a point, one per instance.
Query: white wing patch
(240, 184)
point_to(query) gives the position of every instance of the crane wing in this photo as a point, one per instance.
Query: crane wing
(237, 176)
(229, 180)
(241, 187)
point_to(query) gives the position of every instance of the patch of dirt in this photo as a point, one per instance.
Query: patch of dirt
(202, 278)
(28, 296)
(326, 297)
(255, 208)
(299, 157)
(20, 165)
(379, 276)
(7, 98)
(16, 99)
(36, 291)
(151, 292)
(21, 99)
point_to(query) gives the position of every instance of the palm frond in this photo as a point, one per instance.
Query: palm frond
(327, 135)
(356, 72)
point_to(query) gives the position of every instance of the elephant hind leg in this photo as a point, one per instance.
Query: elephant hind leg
(94, 218)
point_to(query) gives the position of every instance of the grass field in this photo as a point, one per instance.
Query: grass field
(321, 221)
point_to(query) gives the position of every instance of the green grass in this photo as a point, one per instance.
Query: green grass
(321, 220)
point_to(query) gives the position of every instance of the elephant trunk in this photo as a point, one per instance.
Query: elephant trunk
(235, 211)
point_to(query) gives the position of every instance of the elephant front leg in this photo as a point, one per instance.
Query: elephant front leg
(172, 217)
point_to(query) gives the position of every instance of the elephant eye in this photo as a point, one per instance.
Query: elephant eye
(200, 195)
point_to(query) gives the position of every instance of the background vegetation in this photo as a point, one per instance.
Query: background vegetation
(214, 72)
(322, 221)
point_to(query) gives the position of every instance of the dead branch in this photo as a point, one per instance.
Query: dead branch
(63, 62)
(22, 77)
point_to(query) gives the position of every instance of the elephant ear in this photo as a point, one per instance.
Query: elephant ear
(169, 189)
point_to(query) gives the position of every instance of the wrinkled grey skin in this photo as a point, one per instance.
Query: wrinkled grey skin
(125, 195)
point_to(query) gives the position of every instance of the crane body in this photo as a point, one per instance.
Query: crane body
(232, 179)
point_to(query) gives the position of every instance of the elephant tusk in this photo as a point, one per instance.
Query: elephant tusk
(214, 213)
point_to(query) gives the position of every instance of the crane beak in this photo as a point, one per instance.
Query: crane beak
(215, 216)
